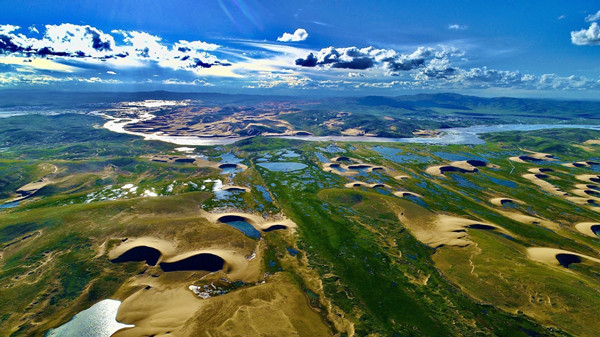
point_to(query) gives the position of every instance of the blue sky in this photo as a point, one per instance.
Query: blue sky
(515, 48)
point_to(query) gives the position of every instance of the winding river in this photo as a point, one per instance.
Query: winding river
(466, 135)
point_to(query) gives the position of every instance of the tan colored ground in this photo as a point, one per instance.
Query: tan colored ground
(592, 142)
(403, 194)
(588, 178)
(236, 187)
(580, 164)
(274, 308)
(356, 132)
(463, 165)
(502, 201)
(196, 161)
(350, 168)
(586, 228)
(437, 230)
(524, 158)
(427, 133)
(543, 184)
(166, 248)
(363, 184)
(257, 221)
(548, 255)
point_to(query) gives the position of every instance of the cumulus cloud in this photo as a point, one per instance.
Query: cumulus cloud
(86, 43)
(13, 79)
(389, 60)
(590, 36)
(299, 35)
(593, 17)
(457, 27)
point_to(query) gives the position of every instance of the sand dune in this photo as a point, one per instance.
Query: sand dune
(532, 157)
(463, 166)
(592, 142)
(196, 161)
(581, 164)
(256, 221)
(557, 257)
(445, 230)
(163, 246)
(343, 159)
(591, 178)
(363, 184)
(236, 188)
(403, 194)
(401, 177)
(540, 170)
(589, 228)
(538, 179)
(503, 201)
(528, 219)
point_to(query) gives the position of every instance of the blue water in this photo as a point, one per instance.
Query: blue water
(245, 228)
(282, 166)
(503, 182)
(10, 204)
(292, 251)
(463, 182)
(321, 157)
(397, 156)
(98, 321)
(290, 154)
(230, 158)
(332, 149)
(264, 192)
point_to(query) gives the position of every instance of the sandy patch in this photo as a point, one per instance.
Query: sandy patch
(462, 166)
(586, 228)
(445, 230)
(592, 142)
(356, 132)
(237, 266)
(589, 178)
(538, 179)
(528, 219)
(236, 188)
(403, 194)
(363, 184)
(256, 221)
(532, 156)
(503, 201)
(549, 255)
(166, 248)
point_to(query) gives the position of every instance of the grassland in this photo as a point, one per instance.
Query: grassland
(353, 265)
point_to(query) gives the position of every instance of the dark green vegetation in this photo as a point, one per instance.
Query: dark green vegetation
(372, 266)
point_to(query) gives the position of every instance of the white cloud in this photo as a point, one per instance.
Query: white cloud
(87, 44)
(34, 30)
(388, 60)
(590, 36)
(299, 35)
(593, 17)
(560, 17)
(197, 82)
(110, 72)
(457, 27)
(12, 79)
